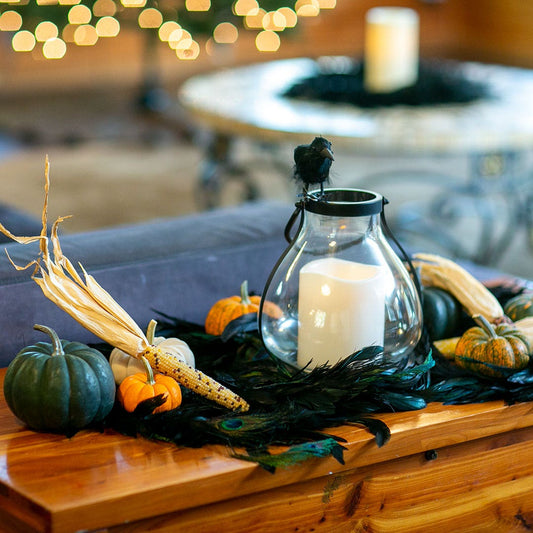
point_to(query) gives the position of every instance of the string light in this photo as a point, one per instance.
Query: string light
(255, 21)
(307, 8)
(150, 18)
(79, 14)
(85, 35)
(187, 51)
(197, 5)
(68, 33)
(243, 8)
(10, 21)
(83, 22)
(23, 41)
(46, 30)
(54, 48)
(179, 38)
(107, 27)
(267, 41)
(104, 8)
(290, 16)
(166, 29)
(274, 21)
(133, 3)
(225, 33)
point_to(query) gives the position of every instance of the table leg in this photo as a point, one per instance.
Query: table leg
(492, 197)
(497, 174)
(217, 169)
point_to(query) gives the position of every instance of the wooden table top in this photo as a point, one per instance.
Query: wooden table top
(52, 483)
(249, 101)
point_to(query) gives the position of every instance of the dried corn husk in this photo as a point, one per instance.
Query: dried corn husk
(94, 308)
(476, 299)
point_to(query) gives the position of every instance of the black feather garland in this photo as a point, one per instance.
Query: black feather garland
(292, 407)
(289, 407)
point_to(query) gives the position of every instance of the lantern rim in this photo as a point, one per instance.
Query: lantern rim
(344, 202)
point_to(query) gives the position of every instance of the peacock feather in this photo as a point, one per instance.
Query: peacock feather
(296, 454)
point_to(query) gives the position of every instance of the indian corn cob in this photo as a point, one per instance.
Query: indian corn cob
(445, 274)
(192, 378)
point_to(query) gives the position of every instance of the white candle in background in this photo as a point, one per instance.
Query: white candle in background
(391, 49)
(341, 308)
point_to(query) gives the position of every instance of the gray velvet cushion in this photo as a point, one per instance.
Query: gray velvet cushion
(17, 222)
(179, 266)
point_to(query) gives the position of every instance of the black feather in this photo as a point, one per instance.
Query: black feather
(292, 407)
(313, 162)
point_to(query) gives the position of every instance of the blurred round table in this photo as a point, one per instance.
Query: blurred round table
(495, 132)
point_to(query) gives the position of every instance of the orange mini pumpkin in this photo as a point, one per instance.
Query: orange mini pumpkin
(228, 309)
(139, 387)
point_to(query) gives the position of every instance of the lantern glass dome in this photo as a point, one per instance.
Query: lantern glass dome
(339, 286)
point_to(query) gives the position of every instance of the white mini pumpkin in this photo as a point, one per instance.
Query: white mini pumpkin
(124, 365)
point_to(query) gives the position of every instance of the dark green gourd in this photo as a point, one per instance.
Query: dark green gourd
(519, 307)
(59, 386)
(442, 313)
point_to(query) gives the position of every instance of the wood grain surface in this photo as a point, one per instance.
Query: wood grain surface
(467, 468)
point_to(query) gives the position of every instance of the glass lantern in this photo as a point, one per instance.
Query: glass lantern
(339, 286)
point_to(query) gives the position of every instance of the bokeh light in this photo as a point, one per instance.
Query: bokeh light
(188, 53)
(133, 3)
(68, 33)
(108, 27)
(23, 41)
(255, 21)
(242, 8)
(307, 8)
(46, 30)
(179, 37)
(267, 41)
(54, 48)
(85, 35)
(274, 21)
(104, 8)
(225, 33)
(83, 22)
(79, 14)
(291, 18)
(10, 21)
(197, 5)
(166, 29)
(150, 18)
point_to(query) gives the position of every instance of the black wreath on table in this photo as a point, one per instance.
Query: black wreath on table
(438, 83)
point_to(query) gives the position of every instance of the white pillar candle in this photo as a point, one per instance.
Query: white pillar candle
(391, 49)
(341, 309)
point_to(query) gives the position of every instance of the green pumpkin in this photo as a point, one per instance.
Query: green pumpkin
(520, 306)
(442, 313)
(63, 386)
(492, 351)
